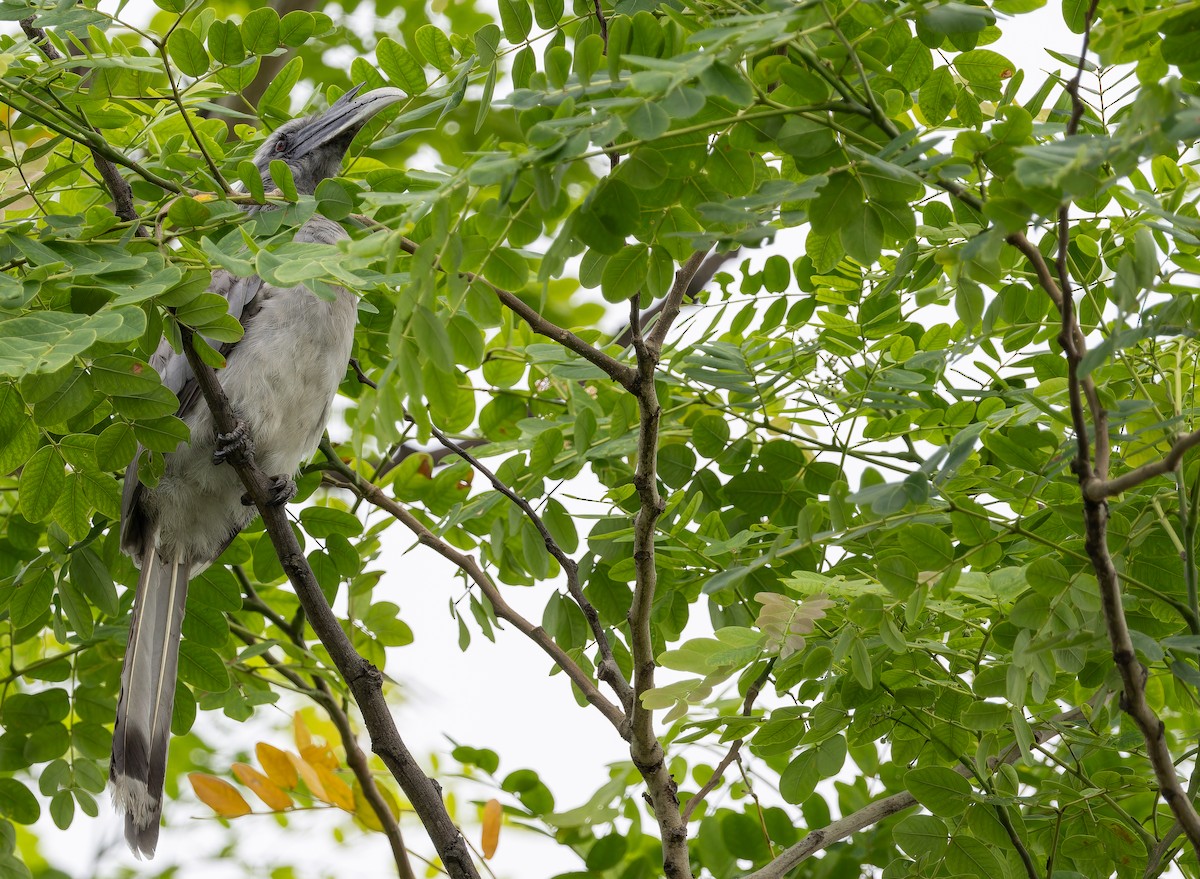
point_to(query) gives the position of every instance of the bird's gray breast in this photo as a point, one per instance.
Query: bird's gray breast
(281, 378)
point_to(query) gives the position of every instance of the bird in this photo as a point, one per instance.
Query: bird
(281, 378)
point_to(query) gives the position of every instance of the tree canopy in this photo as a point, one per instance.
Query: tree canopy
(916, 484)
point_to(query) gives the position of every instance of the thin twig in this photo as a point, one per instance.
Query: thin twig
(608, 670)
(747, 709)
(373, 494)
(118, 187)
(818, 840)
(617, 371)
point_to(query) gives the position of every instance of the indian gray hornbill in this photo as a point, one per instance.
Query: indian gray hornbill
(281, 378)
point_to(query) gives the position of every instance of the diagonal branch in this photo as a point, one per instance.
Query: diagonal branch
(608, 670)
(363, 678)
(614, 369)
(732, 754)
(674, 301)
(819, 840)
(356, 760)
(373, 494)
(118, 186)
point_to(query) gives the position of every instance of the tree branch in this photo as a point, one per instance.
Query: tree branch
(819, 840)
(732, 754)
(674, 301)
(608, 671)
(373, 494)
(365, 681)
(644, 746)
(617, 371)
(356, 760)
(711, 265)
(1095, 508)
(118, 187)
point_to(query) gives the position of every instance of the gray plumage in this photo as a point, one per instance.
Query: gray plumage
(281, 378)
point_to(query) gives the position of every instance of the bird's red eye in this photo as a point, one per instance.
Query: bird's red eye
(281, 146)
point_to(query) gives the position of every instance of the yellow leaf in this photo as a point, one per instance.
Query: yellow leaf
(309, 774)
(265, 789)
(366, 813)
(336, 792)
(303, 736)
(277, 765)
(319, 755)
(219, 795)
(493, 812)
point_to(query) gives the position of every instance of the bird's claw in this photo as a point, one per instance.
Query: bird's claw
(234, 445)
(280, 490)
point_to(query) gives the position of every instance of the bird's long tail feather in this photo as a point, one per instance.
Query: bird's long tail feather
(139, 756)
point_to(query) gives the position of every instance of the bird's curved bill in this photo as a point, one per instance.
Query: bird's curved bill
(344, 119)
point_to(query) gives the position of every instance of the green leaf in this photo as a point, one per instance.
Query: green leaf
(161, 434)
(277, 97)
(983, 67)
(296, 27)
(920, 835)
(838, 203)
(202, 668)
(187, 52)
(260, 30)
(516, 19)
(42, 480)
(506, 268)
(930, 548)
(547, 13)
(942, 791)
(400, 66)
(434, 47)
(18, 433)
(89, 573)
(225, 42)
(76, 609)
(322, 522)
(17, 803)
(625, 273)
(862, 237)
(936, 96)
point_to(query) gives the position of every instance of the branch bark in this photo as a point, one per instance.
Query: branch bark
(1094, 485)
(608, 671)
(819, 840)
(364, 679)
(373, 494)
(118, 186)
(644, 746)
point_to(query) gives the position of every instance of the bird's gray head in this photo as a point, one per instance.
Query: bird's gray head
(313, 147)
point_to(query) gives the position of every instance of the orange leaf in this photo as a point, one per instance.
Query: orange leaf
(303, 736)
(308, 774)
(265, 789)
(493, 812)
(336, 792)
(219, 795)
(277, 765)
(319, 755)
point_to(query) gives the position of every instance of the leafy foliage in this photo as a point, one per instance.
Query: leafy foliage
(862, 446)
